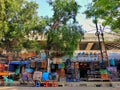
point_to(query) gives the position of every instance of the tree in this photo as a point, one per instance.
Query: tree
(106, 10)
(64, 35)
(17, 19)
(64, 39)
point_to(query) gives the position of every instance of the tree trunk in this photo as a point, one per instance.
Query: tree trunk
(48, 45)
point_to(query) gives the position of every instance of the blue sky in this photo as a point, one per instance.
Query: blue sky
(46, 10)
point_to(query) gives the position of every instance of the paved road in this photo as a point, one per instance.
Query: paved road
(58, 88)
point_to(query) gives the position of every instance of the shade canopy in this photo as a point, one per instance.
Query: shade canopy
(19, 62)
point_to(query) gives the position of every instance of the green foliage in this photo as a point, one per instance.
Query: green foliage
(17, 19)
(32, 45)
(63, 37)
(64, 10)
(106, 10)
(117, 40)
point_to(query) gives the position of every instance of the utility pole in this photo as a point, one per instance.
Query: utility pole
(102, 35)
(98, 35)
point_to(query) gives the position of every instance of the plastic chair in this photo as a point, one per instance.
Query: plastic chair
(8, 80)
(54, 84)
(46, 84)
(24, 77)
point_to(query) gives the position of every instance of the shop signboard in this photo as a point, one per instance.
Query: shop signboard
(86, 57)
(115, 55)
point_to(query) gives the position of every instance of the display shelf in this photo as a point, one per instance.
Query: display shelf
(93, 73)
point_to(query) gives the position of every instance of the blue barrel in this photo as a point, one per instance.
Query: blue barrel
(45, 76)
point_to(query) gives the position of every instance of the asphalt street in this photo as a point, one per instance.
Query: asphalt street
(59, 88)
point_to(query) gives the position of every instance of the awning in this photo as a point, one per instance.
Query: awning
(19, 62)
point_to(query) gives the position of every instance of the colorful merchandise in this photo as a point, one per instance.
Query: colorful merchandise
(112, 73)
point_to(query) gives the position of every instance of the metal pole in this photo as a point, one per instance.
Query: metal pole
(98, 35)
(104, 44)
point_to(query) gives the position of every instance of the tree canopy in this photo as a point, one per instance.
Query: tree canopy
(106, 10)
(64, 35)
(19, 21)
(17, 18)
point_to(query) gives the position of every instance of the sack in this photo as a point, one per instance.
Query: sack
(37, 75)
(44, 64)
(33, 64)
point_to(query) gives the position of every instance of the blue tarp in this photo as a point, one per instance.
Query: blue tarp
(19, 62)
(11, 68)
